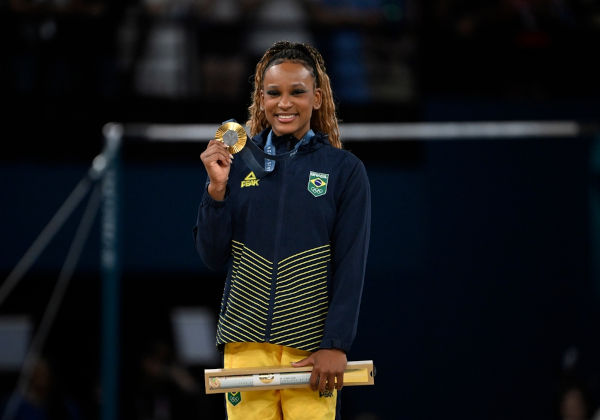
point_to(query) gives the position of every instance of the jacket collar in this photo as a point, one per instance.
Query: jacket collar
(317, 141)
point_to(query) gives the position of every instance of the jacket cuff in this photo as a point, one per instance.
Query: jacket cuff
(332, 343)
(207, 200)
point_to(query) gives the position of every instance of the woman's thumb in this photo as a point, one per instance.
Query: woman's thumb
(304, 362)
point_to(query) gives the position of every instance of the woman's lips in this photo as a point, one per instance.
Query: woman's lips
(284, 118)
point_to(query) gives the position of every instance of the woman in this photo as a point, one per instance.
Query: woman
(295, 241)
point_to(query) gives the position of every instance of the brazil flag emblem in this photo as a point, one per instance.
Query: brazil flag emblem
(234, 397)
(317, 183)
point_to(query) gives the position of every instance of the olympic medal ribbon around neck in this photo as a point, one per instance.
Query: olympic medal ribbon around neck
(250, 151)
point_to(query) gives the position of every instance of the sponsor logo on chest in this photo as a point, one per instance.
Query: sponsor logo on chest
(250, 181)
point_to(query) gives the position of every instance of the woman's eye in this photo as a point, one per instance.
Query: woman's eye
(272, 93)
(298, 91)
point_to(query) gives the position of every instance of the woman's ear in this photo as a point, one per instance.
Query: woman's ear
(318, 98)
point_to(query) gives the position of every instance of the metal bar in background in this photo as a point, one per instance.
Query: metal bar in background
(36, 347)
(458, 130)
(44, 238)
(380, 131)
(111, 273)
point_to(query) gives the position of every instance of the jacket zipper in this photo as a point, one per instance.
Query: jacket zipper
(278, 228)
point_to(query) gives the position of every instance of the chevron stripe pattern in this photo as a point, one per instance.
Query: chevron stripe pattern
(245, 318)
(300, 302)
(301, 299)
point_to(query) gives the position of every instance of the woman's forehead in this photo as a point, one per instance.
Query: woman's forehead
(287, 71)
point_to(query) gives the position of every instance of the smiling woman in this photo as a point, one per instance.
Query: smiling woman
(323, 118)
(288, 98)
(294, 239)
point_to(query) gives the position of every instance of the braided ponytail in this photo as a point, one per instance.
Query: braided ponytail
(324, 119)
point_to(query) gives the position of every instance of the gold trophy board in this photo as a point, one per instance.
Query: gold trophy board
(261, 378)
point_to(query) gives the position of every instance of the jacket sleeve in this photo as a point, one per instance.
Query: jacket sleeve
(350, 243)
(212, 233)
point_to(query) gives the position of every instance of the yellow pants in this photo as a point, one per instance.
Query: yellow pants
(288, 404)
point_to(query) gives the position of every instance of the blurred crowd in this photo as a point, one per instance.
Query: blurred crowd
(521, 48)
(578, 391)
(377, 51)
(180, 49)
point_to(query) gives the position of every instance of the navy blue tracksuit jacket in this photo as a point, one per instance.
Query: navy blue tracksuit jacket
(295, 246)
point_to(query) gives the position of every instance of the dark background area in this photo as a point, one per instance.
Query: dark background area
(482, 288)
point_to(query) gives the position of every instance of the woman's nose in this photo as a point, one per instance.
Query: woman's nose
(284, 101)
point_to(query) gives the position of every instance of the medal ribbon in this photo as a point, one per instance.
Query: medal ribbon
(271, 150)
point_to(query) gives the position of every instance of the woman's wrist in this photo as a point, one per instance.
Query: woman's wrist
(217, 191)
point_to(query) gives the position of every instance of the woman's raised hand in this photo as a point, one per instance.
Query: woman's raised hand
(217, 161)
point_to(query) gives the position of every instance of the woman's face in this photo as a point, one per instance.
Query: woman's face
(288, 98)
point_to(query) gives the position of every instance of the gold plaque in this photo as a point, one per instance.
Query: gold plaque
(232, 135)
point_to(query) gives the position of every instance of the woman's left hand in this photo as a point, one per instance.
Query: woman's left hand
(328, 369)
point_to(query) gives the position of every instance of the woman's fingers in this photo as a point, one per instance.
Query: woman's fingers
(339, 381)
(216, 152)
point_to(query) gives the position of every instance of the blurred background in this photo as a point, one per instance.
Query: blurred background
(482, 290)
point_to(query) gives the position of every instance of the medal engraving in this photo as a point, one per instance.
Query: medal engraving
(232, 135)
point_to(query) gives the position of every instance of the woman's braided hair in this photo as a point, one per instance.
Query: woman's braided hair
(324, 119)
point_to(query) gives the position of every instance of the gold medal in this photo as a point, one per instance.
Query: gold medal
(232, 135)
